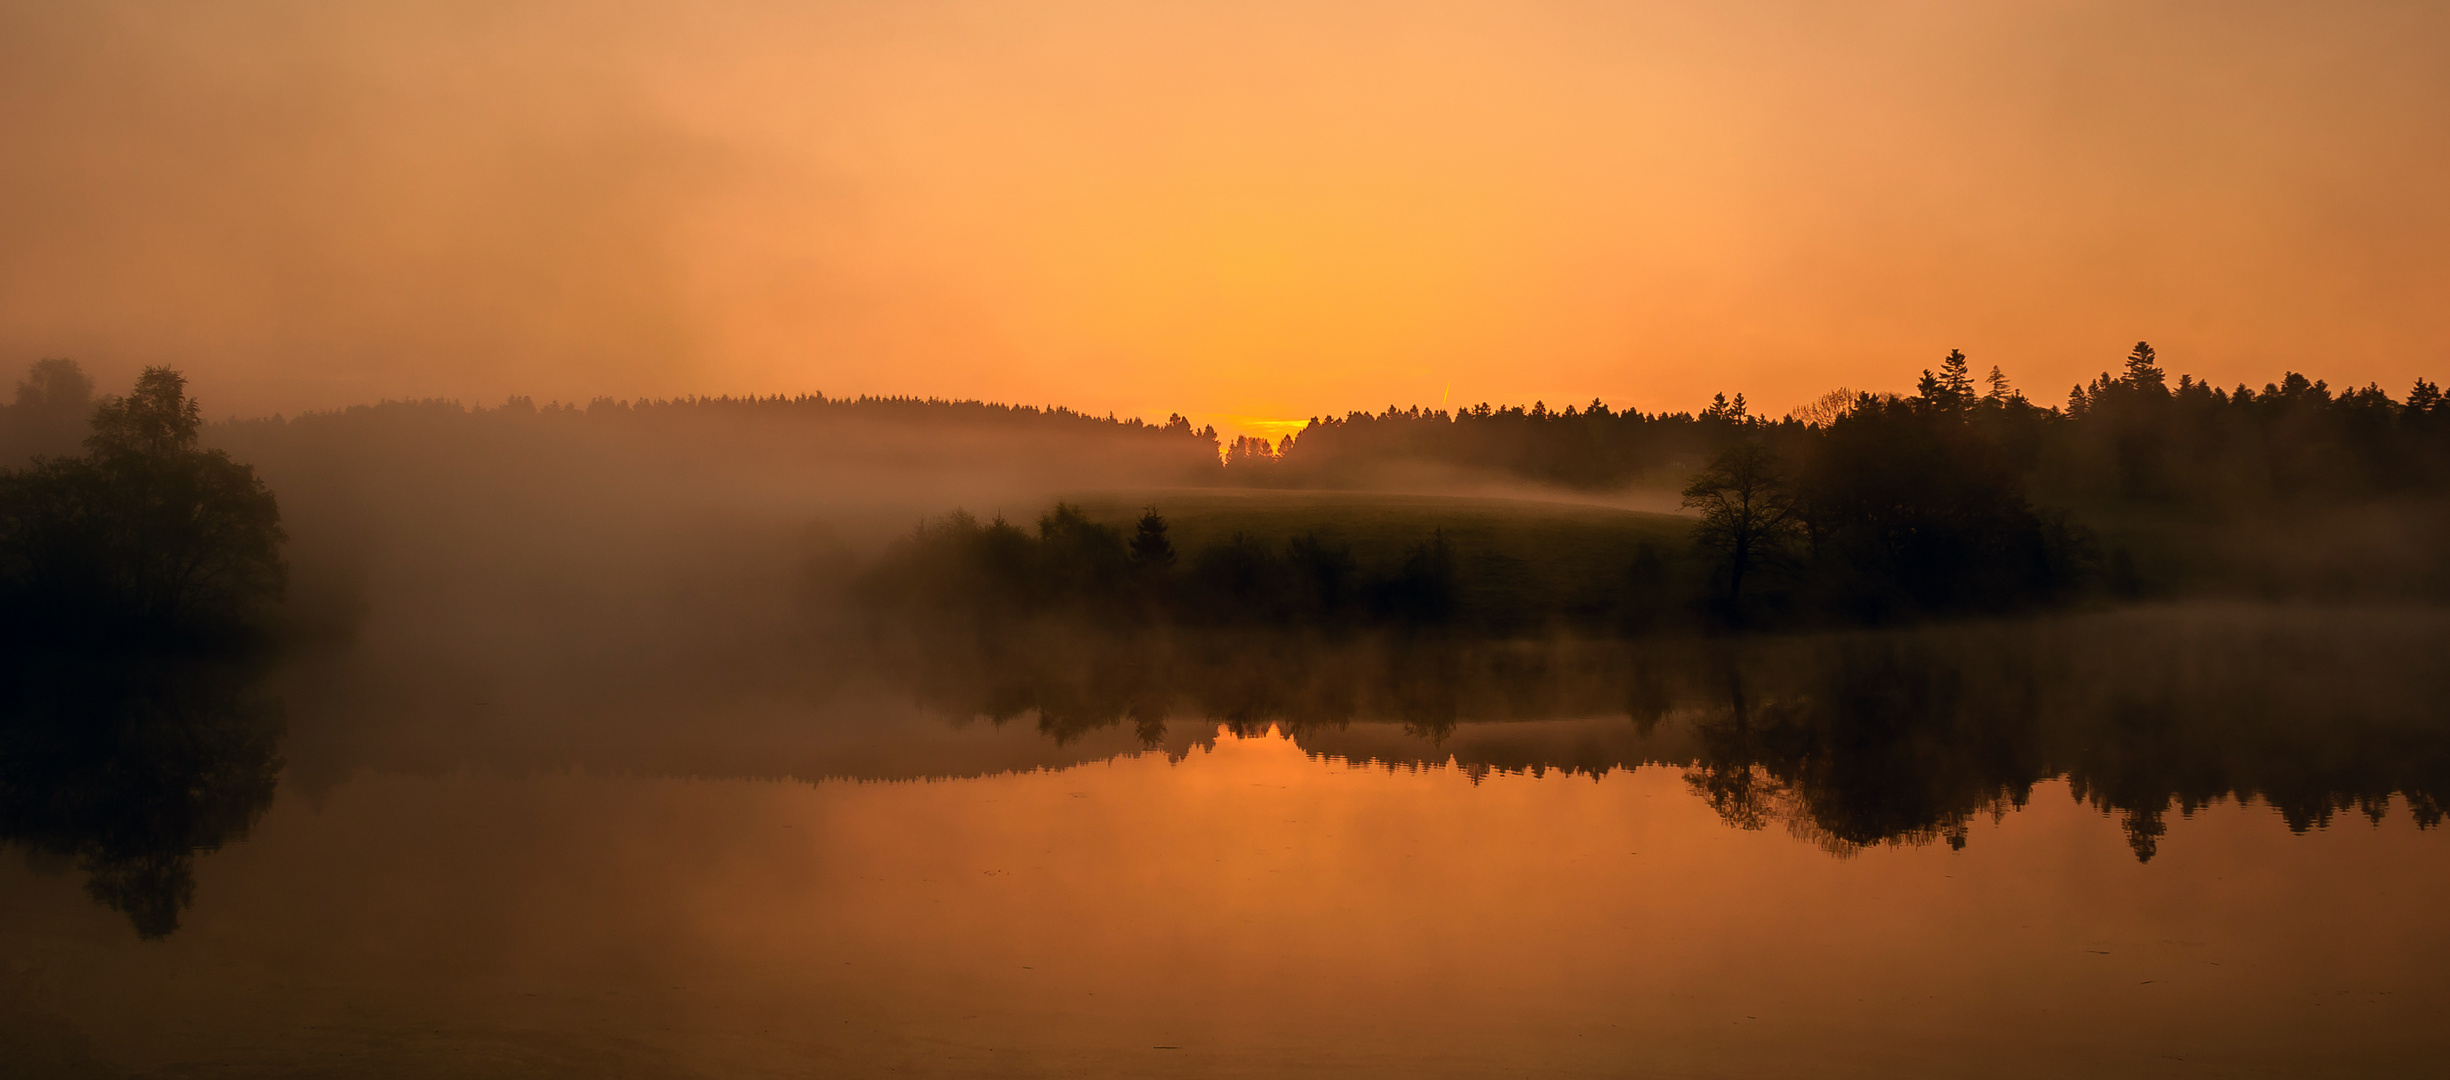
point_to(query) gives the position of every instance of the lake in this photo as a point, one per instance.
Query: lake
(2160, 842)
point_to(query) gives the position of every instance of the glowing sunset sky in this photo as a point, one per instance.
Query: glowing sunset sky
(1249, 209)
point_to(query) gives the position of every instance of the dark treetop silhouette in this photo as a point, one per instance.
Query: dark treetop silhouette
(2120, 437)
(145, 539)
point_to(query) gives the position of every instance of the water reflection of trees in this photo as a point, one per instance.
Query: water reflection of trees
(1072, 682)
(129, 767)
(1877, 742)
(1846, 740)
(1907, 737)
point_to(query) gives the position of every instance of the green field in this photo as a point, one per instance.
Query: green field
(1510, 553)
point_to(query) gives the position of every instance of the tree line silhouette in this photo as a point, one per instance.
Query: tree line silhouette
(959, 574)
(2129, 435)
(1766, 551)
(1175, 436)
(1087, 624)
(1964, 496)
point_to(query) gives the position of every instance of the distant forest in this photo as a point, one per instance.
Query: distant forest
(1964, 497)
(53, 403)
(804, 410)
(2130, 435)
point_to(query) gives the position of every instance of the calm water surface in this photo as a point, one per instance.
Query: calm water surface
(1677, 891)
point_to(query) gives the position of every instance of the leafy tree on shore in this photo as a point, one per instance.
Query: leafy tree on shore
(1748, 512)
(146, 538)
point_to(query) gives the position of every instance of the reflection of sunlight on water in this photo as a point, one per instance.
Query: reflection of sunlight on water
(1257, 906)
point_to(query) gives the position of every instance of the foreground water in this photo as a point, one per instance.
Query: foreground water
(1595, 895)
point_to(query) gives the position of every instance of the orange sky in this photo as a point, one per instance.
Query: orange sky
(1236, 210)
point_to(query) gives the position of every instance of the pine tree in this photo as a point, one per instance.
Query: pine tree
(2001, 392)
(1951, 390)
(2424, 399)
(1149, 546)
(1955, 376)
(2143, 374)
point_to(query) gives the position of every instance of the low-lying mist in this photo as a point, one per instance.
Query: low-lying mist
(604, 552)
(523, 568)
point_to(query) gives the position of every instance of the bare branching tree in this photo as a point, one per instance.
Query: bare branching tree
(1748, 511)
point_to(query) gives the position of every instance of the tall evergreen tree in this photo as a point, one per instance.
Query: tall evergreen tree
(1149, 546)
(2000, 393)
(2144, 374)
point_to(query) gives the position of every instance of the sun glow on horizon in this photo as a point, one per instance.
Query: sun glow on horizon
(1254, 211)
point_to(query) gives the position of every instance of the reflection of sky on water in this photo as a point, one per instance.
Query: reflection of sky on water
(1256, 906)
(2082, 845)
